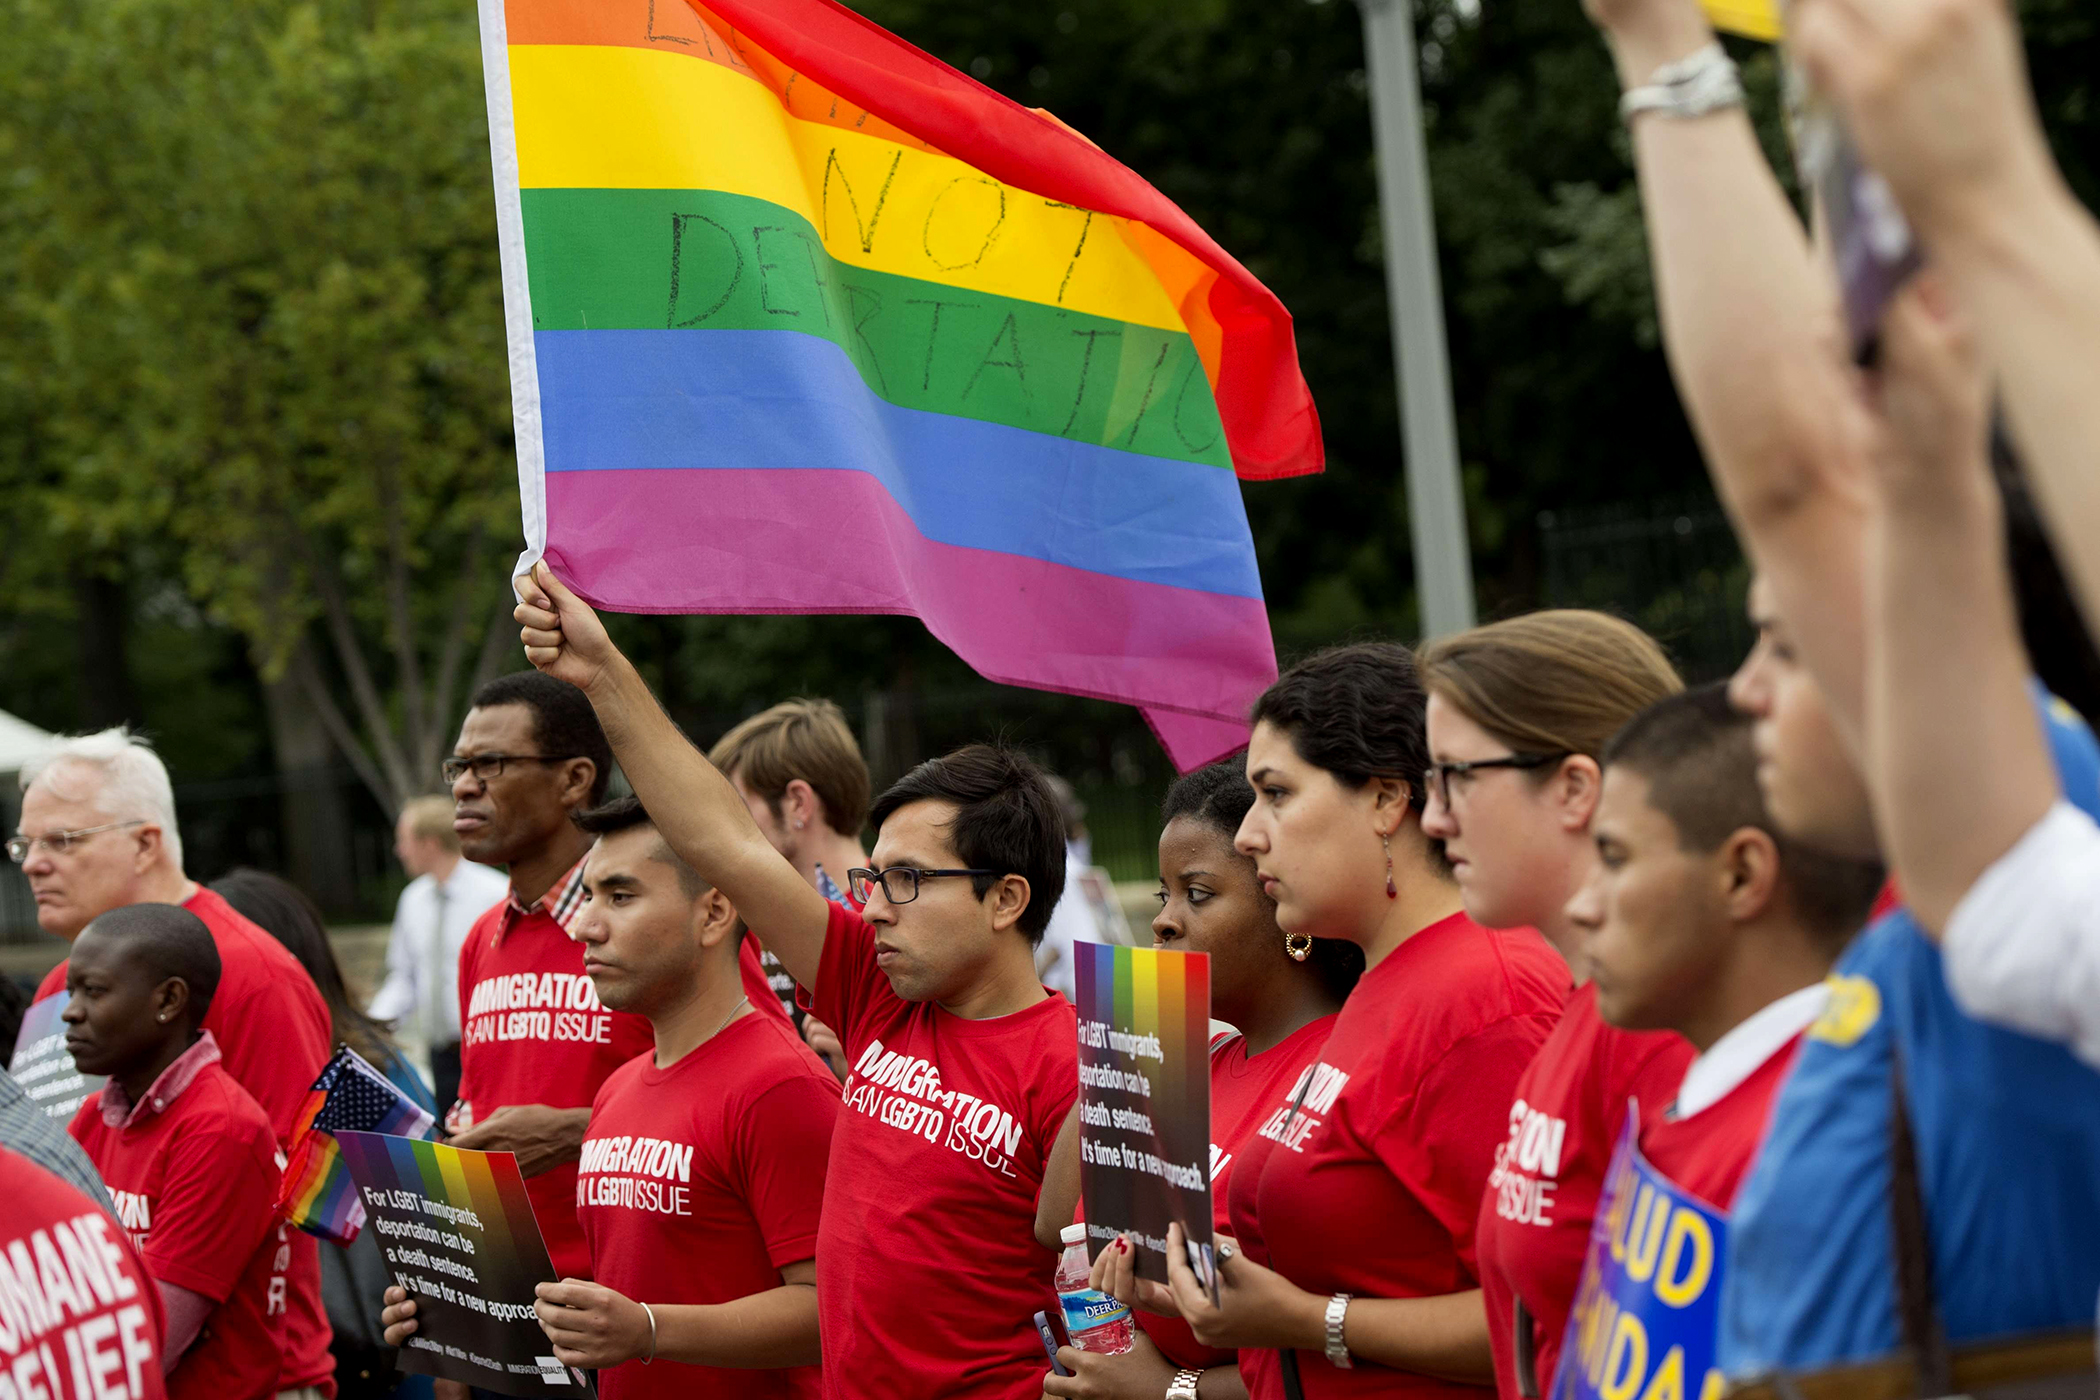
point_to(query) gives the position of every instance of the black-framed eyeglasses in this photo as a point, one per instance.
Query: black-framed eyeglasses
(489, 766)
(59, 842)
(1441, 774)
(900, 883)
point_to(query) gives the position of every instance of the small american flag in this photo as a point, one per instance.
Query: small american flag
(317, 1194)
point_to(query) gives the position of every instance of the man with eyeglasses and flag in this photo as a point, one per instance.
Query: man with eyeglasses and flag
(536, 1044)
(98, 832)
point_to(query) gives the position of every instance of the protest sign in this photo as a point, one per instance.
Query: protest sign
(1144, 1100)
(457, 1231)
(1646, 1315)
(42, 1064)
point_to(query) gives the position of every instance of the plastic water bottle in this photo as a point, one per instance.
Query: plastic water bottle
(1094, 1321)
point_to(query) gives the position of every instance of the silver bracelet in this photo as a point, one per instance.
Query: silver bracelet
(1337, 1347)
(1703, 81)
(1183, 1386)
(652, 1332)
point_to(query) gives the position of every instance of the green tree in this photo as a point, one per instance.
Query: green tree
(253, 276)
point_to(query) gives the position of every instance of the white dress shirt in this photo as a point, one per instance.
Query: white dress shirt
(2023, 947)
(421, 990)
(1743, 1050)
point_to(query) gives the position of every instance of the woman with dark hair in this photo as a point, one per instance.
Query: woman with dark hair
(1353, 1206)
(353, 1277)
(1280, 994)
(284, 911)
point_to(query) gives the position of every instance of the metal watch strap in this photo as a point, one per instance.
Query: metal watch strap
(1183, 1386)
(1703, 81)
(1337, 1347)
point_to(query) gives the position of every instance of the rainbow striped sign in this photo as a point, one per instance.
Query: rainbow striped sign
(1144, 1100)
(457, 1231)
(803, 320)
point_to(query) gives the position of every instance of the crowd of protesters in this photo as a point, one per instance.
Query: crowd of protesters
(1821, 943)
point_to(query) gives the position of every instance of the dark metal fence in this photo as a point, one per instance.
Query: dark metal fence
(1674, 569)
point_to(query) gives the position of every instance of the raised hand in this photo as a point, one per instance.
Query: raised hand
(1933, 396)
(1936, 93)
(562, 636)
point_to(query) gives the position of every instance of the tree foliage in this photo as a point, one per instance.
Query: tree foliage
(256, 320)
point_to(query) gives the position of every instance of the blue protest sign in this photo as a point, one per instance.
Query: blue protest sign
(1645, 1317)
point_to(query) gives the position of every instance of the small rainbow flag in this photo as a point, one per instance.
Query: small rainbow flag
(803, 320)
(317, 1194)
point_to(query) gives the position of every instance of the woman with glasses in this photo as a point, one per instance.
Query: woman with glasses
(1350, 1268)
(1518, 713)
(1279, 992)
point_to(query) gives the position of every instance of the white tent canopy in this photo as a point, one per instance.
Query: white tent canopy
(20, 741)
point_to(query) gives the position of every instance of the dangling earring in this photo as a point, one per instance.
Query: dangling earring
(1392, 891)
(1298, 945)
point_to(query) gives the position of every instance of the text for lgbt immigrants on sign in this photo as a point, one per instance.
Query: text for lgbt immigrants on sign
(1144, 1100)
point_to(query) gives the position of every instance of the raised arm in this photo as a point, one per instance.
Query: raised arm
(691, 803)
(1936, 92)
(1749, 321)
(1947, 675)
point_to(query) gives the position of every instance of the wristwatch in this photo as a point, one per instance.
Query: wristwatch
(1337, 1348)
(1183, 1386)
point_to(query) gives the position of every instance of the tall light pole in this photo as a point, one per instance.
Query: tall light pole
(1436, 503)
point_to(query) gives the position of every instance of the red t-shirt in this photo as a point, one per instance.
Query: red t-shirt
(1708, 1152)
(1373, 1185)
(85, 1309)
(274, 1037)
(719, 1158)
(534, 1032)
(195, 1183)
(1243, 1090)
(928, 1272)
(1542, 1195)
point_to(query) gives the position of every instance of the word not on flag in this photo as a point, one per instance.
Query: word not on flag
(803, 320)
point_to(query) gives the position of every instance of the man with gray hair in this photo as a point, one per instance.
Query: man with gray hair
(97, 832)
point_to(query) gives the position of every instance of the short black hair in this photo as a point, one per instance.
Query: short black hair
(166, 940)
(1219, 796)
(563, 723)
(1006, 819)
(1695, 753)
(627, 813)
(1356, 711)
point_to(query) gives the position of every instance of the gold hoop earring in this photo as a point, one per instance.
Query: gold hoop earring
(1298, 945)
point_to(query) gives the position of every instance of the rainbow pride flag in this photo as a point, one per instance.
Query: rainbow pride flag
(316, 1193)
(804, 320)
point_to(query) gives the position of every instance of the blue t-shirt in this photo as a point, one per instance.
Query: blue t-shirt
(2008, 1136)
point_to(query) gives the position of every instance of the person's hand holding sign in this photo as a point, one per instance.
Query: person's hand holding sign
(592, 1326)
(562, 636)
(1256, 1307)
(398, 1318)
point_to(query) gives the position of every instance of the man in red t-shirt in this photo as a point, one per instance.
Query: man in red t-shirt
(711, 1148)
(1700, 918)
(113, 1329)
(963, 1064)
(536, 1044)
(98, 825)
(189, 1156)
